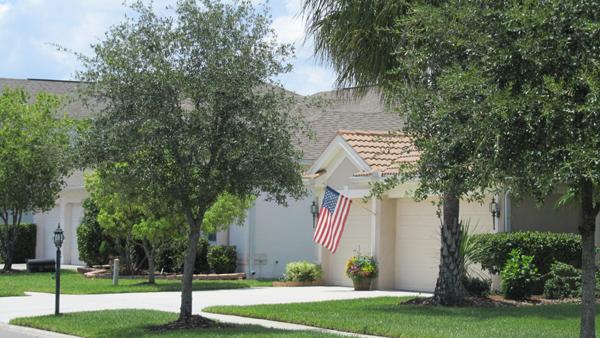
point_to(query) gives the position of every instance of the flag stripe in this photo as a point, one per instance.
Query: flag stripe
(343, 225)
(340, 210)
(332, 219)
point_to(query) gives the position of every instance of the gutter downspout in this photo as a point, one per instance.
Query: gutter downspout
(251, 242)
(507, 211)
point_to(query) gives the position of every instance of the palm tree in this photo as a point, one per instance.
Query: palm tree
(358, 39)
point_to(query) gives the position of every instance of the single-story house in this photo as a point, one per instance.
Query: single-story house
(351, 149)
(401, 233)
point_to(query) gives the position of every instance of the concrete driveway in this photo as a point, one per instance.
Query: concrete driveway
(43, 303)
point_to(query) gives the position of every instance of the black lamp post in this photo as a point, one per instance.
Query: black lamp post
(495, 210)
(314, 210)
(59, 237)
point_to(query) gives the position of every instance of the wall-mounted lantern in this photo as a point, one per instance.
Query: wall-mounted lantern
(314, 210)
(495, 211)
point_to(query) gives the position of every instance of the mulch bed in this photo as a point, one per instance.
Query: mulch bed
(196, 322)
(494, 301)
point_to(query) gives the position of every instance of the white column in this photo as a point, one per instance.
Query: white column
(62, 207)
(375, 205)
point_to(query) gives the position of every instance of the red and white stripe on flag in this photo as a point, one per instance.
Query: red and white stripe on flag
(332, 219)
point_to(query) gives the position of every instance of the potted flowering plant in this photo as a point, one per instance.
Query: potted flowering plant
(362, 270)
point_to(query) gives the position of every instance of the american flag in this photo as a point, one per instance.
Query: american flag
(332, 218)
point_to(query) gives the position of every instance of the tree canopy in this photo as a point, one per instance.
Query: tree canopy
(36, 147)
(192, 107)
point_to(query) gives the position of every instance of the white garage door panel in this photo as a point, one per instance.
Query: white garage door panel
(417, 245)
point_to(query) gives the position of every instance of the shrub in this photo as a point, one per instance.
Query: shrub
(222, 258)
(545, 247)
(302, 272)
(564, 281)
(519, 276)
(94, 246)
(172, 256)
(25, 244)
(477, 287)
(360, 267)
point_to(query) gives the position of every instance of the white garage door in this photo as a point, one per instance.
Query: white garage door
(356, 236)
(417, 245)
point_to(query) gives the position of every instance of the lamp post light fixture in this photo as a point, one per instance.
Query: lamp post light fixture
(59, 238)
(314, 210)
(495, 211)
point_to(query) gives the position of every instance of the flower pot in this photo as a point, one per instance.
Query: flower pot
(362, 284)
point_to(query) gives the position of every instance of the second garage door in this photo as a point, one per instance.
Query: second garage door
(417, 245)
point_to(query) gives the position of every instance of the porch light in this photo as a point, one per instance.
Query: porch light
(495, 211)
(314, 210)
(59, 237)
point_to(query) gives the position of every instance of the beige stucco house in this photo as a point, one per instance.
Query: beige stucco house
(403, 234)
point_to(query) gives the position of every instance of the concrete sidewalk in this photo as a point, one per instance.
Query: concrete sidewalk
(36, 304)
(12, 331)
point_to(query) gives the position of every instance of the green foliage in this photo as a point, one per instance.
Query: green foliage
(36, 154)
(477, 287)
(545, 247)
(95, 247)
(24, 245)
(519, 276)
(563, 281)
(302, 272)
(228, 209)
(222, 258)
(469, 250)
(361, 266)
(171, 257)
(193, 109)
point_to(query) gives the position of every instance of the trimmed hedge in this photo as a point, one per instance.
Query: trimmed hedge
(172, 256)
(546, 248)
(222, 258)
(25, 245)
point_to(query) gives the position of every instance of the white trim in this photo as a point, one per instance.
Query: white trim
(332, 149)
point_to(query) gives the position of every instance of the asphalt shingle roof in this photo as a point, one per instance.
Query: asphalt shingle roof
(342, 110)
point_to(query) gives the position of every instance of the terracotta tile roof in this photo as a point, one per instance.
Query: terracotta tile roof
(383, 151)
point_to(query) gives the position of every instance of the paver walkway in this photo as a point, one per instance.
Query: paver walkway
(43, 303)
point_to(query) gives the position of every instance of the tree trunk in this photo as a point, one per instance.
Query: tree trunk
(588, 260)
(185, 313)
(9, 248)
(449, 289)
(11, 237)
(149, 250)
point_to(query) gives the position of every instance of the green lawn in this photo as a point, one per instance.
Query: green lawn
(386, 317)
(15, 284)
(135, 323)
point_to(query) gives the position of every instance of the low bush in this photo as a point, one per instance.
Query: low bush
(172, 256)
(546, 248)
(477, 287)
(563, 281)
(519, 276)
(302, 272)
(222, 258)
(25, 244)
(95, 247)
